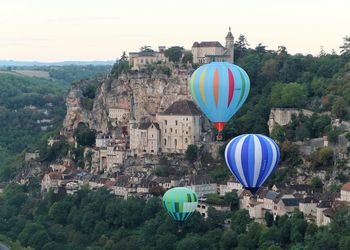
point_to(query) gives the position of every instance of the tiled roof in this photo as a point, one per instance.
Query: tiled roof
(271, 195)
(199, 180)
(346, 187)
(146, 125)
(55, 175)
(207, 44)
(290, 202)
(184, 107)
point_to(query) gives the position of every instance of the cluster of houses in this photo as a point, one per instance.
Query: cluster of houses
(203, 52)
(318, 208)
(172, 131)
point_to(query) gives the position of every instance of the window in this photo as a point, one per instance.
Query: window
(175, 142)
(186, 140)
(165, 130)
(175, 122)
(152, 135)
(175, 131)
(166, 122)
(164, 142)
(171, 130)
(141, 60)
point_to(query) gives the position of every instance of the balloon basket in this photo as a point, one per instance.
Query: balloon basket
(219, 137)
(179, 226)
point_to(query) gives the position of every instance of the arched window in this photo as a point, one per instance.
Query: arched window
(164, 142)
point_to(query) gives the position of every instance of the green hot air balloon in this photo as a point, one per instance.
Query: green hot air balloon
(180, 203)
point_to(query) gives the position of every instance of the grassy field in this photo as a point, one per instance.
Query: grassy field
(33, 73)
(25, 72)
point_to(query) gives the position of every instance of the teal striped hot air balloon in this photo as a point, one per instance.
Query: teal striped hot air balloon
(180, 203)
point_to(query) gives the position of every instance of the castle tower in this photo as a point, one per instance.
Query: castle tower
(230, 45)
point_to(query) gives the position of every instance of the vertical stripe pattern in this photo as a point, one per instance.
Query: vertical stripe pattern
(219, 89)
(252, 158)
(216, 87)
(231, 82)
(201, 87)
(180, 203)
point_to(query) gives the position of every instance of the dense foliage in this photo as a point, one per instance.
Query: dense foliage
(30, 107)
(99, 220)
(72, 73)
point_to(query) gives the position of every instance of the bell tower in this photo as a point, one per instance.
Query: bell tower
(229, 45)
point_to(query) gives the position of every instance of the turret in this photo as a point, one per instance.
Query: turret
(230, 44)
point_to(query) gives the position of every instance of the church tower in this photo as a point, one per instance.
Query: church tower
(229, 46)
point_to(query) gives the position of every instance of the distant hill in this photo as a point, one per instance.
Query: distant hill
(12, 63)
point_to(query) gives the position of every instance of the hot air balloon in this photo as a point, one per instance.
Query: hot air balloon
(252, 158)
(219, 89)
(180, 203)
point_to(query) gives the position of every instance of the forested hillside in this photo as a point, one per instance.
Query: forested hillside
(280, 80)
(32, 105)
(99, 220)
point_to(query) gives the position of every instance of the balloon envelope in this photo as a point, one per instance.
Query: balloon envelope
(219, 89)
(251, 158)
(180, 203)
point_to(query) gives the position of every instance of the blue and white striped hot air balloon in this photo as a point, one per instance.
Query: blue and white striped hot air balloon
(251, 158)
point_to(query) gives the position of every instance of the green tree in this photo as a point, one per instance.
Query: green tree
(339, 107)
(345, 48)
(316, 184)
(187, 58)
(229, 240)
(191, 153)
(174, 53)
(240, 221)
(321, 158)
(269, 219)
(278, 133)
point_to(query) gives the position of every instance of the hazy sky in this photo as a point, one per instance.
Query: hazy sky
(55, 30)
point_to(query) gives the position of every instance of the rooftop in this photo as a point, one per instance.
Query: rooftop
(183, 107)
(146, 125)
(346, 187)
(208, 44)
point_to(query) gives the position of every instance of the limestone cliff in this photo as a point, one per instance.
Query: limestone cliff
(142, 93)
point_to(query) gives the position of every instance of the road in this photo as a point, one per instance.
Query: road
(3, 247)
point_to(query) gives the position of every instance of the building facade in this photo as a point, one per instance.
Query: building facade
(139, 60)
(180, 126)
(213, 51)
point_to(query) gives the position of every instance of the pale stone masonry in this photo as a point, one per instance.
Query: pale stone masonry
(180, 126)
(145, 138)
(139, 60)
(213, 51)
(172, 132)
(345, 192)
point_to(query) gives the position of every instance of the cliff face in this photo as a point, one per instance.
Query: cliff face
(143, 94)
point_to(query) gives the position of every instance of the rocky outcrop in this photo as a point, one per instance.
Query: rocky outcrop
(143, 94)
(283, 116)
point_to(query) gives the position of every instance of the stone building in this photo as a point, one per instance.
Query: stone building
(213, 51)
(202, 185)
(115, 157)
(102, 140)
(345, 192)
(145, 138)
(138, 60)
(180, 126)
(118, 115)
